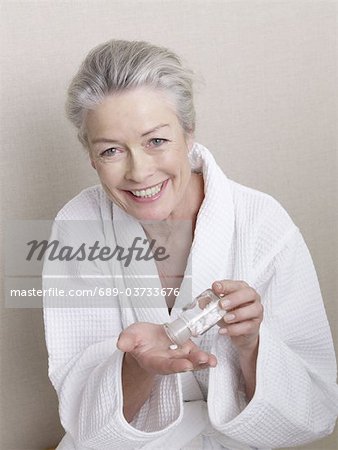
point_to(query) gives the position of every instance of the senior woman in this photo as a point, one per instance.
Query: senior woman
(250, 381)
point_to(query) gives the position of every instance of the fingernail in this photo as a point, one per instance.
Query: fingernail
(225, 304)
(222, 331)
(229, 317)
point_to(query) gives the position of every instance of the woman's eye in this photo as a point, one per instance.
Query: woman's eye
(157, 141)
(109, 152)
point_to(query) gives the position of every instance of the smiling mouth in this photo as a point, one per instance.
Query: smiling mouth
(149, 192)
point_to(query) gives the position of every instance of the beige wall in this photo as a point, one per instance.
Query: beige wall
(267, 109)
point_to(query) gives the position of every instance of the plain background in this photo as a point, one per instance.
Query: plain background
(266, 107)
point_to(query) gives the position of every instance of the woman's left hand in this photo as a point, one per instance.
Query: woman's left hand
(244, 313)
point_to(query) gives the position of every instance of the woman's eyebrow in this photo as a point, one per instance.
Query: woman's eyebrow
(103, 140)
(155, 129)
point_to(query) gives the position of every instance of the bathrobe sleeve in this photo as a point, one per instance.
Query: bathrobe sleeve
(296, 398)
(85, 364)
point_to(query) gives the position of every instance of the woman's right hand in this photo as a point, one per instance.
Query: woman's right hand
(149, 344)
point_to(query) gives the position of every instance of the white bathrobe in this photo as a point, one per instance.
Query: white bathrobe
(241, 234)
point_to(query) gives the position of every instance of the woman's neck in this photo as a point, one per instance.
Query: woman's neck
(168, 230)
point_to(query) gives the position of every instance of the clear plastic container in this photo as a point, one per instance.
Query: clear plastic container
(196, 318)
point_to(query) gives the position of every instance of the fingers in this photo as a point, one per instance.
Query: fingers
(241, 294)
(248, 312)
(224, 287)
(243, 320)
(244, 311)
(246, 328)
(165, 366)
(198, 359)
(166, 361)
(160, 358)
(168, 366)
(202, 360)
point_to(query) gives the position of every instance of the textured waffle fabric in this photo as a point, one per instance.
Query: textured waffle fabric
(240, 234)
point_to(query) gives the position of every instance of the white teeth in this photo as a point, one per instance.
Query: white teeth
(148, 192)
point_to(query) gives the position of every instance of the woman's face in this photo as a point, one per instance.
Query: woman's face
(139, 150)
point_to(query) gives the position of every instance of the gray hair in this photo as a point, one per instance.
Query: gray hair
(119, 65)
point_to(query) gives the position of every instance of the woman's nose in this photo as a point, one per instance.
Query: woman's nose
(139, 167)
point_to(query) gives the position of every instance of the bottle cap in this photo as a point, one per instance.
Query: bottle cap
(177, 331)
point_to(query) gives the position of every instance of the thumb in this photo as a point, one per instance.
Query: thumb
(126, 342)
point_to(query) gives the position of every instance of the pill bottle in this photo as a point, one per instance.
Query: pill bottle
(196, 318)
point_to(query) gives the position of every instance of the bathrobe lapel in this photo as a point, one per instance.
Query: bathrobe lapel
(214, 229)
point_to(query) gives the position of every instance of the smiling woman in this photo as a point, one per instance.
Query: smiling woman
(120, 381)
(140, 151)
